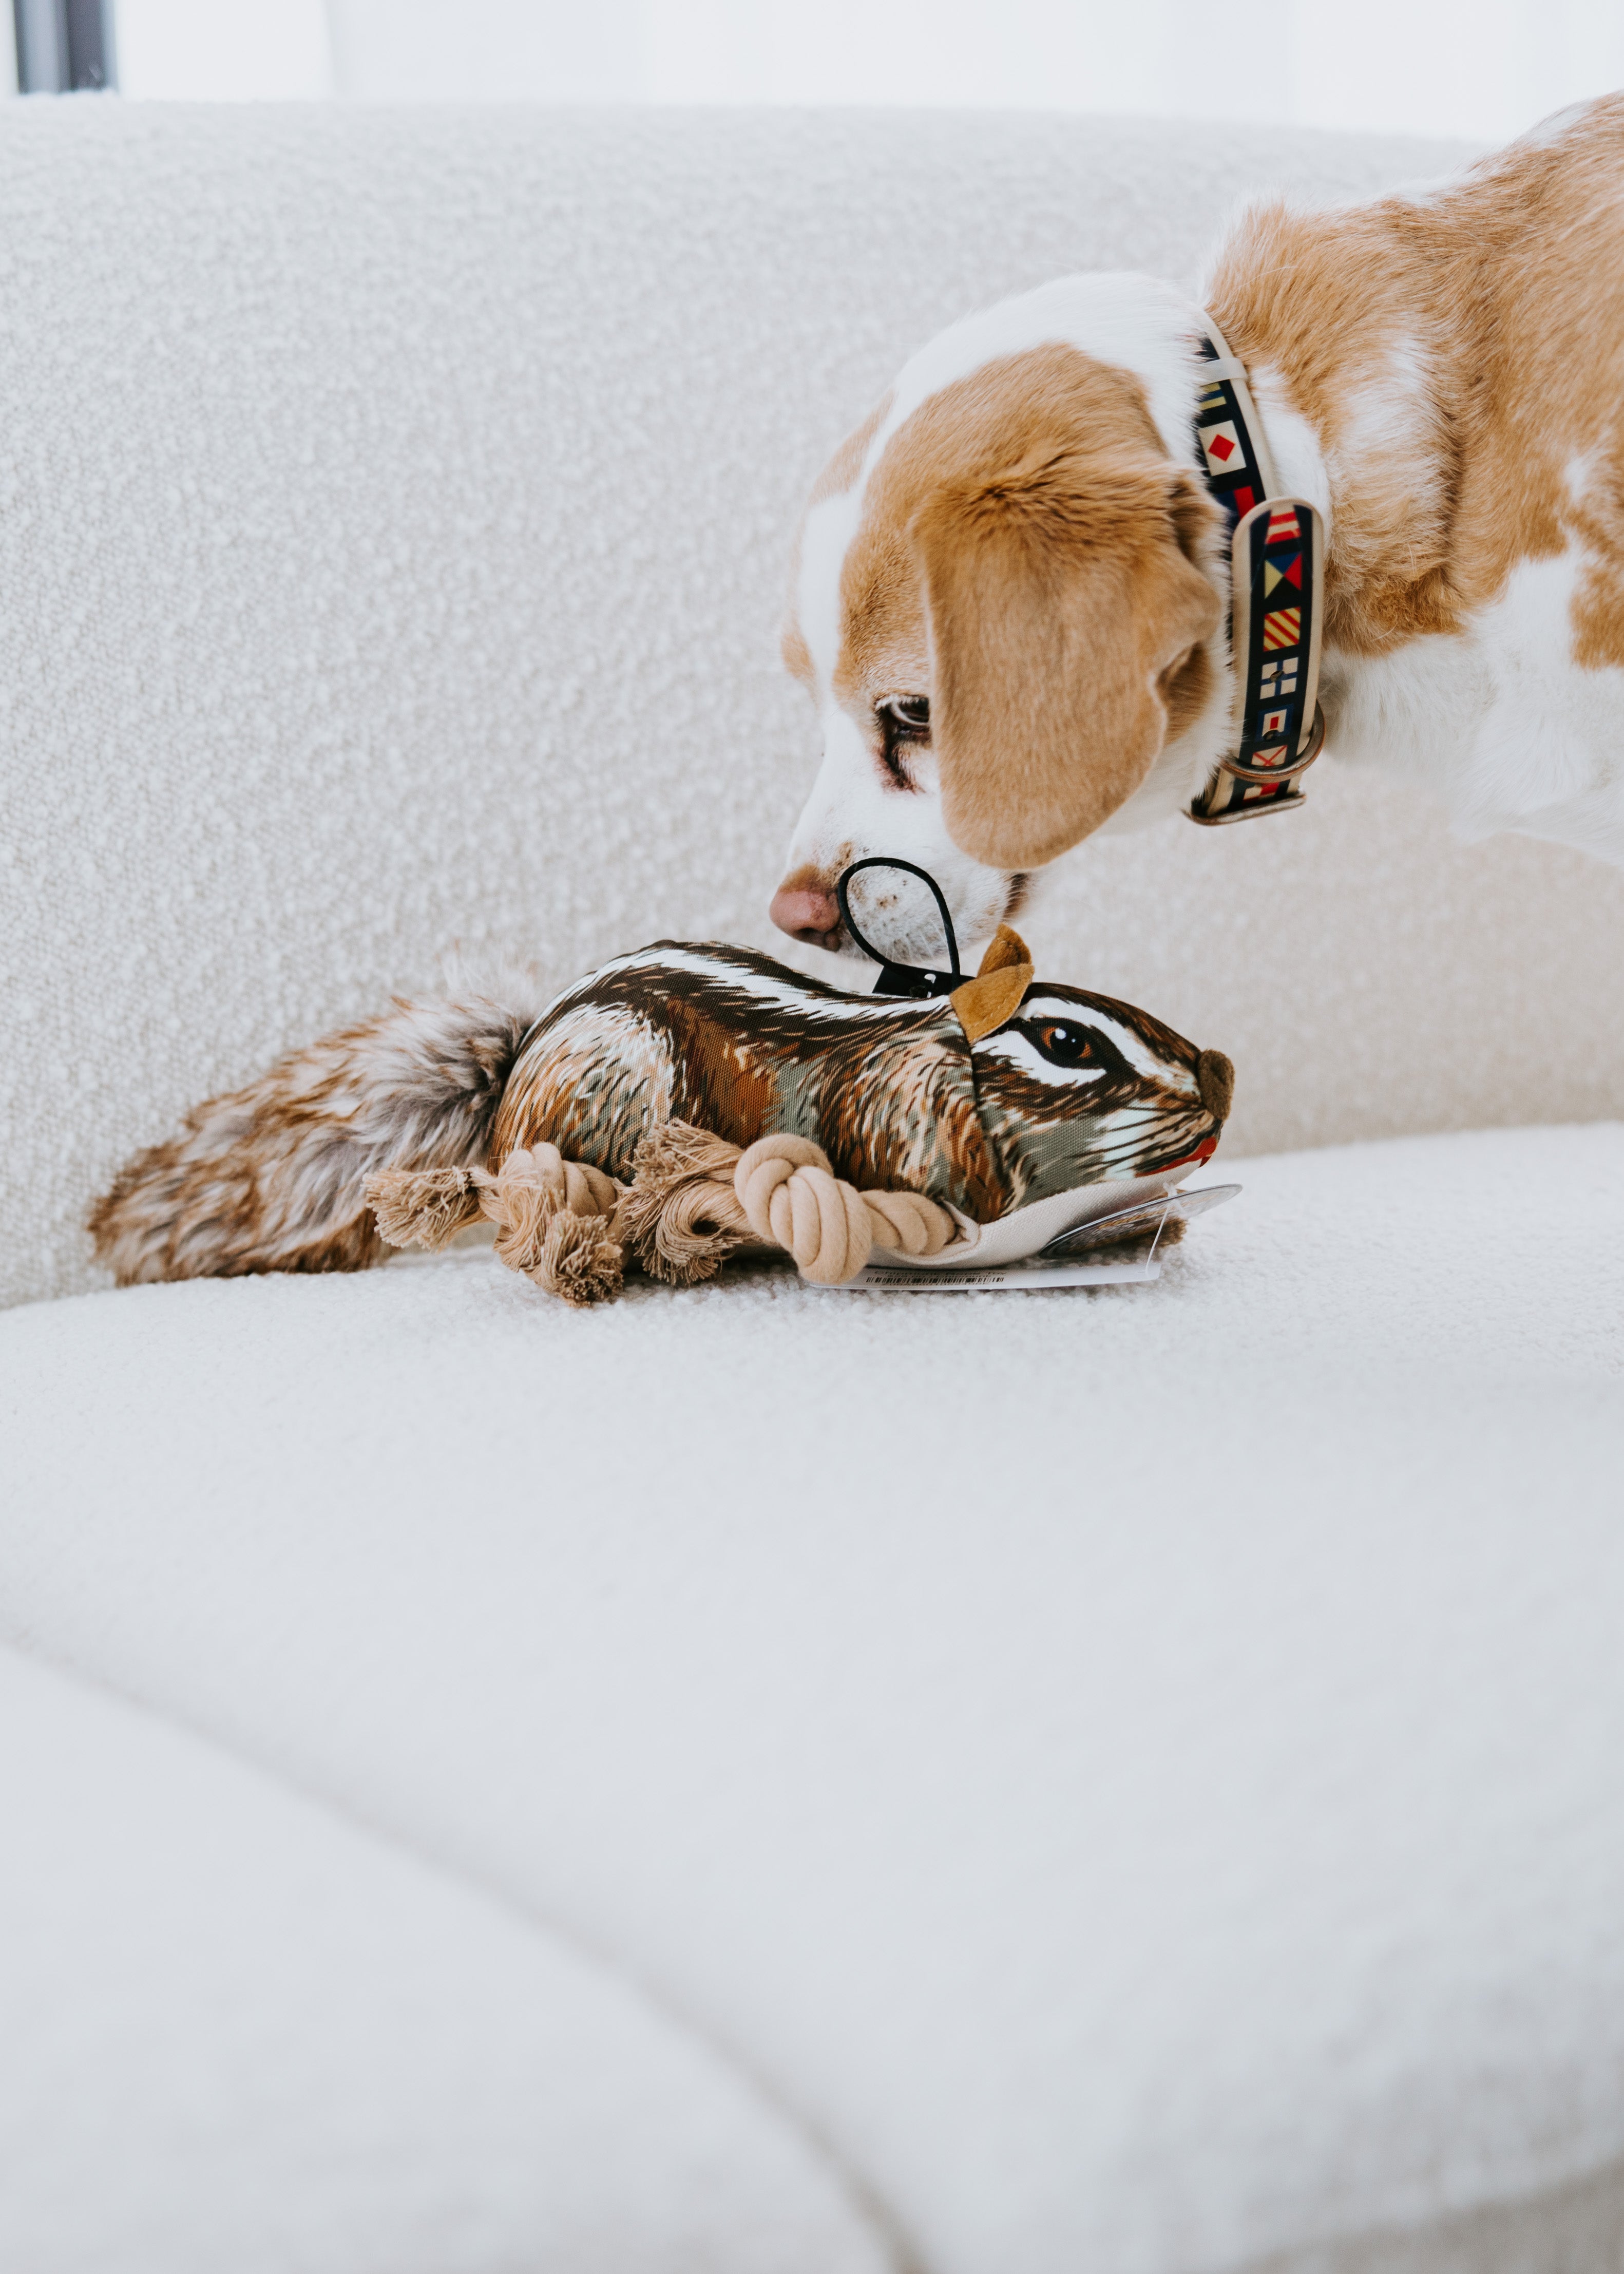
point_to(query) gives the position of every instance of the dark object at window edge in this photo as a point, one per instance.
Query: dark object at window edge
(64, 46)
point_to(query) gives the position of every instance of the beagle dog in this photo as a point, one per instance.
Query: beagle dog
(1012, 587)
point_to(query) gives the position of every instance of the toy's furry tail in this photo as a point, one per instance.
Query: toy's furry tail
(270, 1178)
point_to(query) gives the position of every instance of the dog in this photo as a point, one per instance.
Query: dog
(1010, 589)
(1003, 1093)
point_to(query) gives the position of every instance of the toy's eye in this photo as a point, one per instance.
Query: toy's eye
(905, 716)
(1064, 1043)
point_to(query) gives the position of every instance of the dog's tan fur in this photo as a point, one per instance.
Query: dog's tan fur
(1489, 292)
(1027, 553)
(1030, 550)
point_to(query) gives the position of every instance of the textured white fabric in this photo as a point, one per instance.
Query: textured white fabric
(1136, 1771)
(238, 2033)
(394, 511)
(1135, 1774)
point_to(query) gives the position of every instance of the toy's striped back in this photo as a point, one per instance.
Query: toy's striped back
(1074, 1090)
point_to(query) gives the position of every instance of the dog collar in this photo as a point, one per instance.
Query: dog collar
(1276, 603)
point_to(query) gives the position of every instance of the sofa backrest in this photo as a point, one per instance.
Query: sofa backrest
(393, 515)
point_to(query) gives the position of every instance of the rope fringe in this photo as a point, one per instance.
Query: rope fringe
(695, 1200)
(581, 1260)
(680, 1218)
(422, 1207)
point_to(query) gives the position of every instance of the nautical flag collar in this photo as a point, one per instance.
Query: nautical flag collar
(1277, 603)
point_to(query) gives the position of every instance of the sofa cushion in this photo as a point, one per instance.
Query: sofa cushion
(1135, 1772)
(236, 2031)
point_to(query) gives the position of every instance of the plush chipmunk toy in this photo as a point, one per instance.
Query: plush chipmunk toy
(676, 1106)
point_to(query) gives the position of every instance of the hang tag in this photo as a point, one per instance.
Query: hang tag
(997, 1278)
(1033, 1254)
(1146, 1221)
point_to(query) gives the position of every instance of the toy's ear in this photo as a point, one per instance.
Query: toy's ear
(1064, 606)
(994, 994)
(1004, 949)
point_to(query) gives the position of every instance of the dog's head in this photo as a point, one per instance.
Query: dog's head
(1006, 603)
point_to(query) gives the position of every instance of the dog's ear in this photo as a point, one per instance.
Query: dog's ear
(1066, 610)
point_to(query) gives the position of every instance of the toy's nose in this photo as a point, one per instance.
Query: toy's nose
(1214, 1078)
(807, 914)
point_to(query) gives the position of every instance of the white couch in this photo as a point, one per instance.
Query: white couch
(757, 1780)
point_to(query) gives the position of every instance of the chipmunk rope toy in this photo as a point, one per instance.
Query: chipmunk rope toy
(676, 1107)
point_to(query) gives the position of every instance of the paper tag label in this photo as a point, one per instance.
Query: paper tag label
(1003, 1278)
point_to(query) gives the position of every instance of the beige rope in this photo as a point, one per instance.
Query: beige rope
(681, 1218)
(551, 1216)
(694, 1200)
(529, 1190)
(792, 1198)
(422, 1207)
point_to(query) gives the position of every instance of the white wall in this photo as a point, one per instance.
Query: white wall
(223, 50)
(1476, 67)
(558, 50)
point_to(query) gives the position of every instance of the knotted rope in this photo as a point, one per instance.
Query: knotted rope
(554, 1218)
(792, 1198)
(695, 1200)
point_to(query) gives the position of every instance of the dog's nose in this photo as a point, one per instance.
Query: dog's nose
(806, 914)
(1214, 1078)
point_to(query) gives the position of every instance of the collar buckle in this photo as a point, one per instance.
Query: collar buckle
(1266, 766)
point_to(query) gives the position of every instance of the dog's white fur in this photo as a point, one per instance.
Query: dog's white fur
(1497, 713)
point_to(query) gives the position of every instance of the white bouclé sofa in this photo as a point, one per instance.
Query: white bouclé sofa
(762, 1780)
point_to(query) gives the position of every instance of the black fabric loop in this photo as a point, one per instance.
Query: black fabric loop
(903, 978)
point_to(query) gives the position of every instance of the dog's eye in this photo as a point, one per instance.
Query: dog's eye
(1064, 1044)
(907, 717)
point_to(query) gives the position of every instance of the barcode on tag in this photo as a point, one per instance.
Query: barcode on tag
(1006, 1278)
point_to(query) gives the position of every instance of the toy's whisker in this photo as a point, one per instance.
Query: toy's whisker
(1139, 1132)
(1128, 1153)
